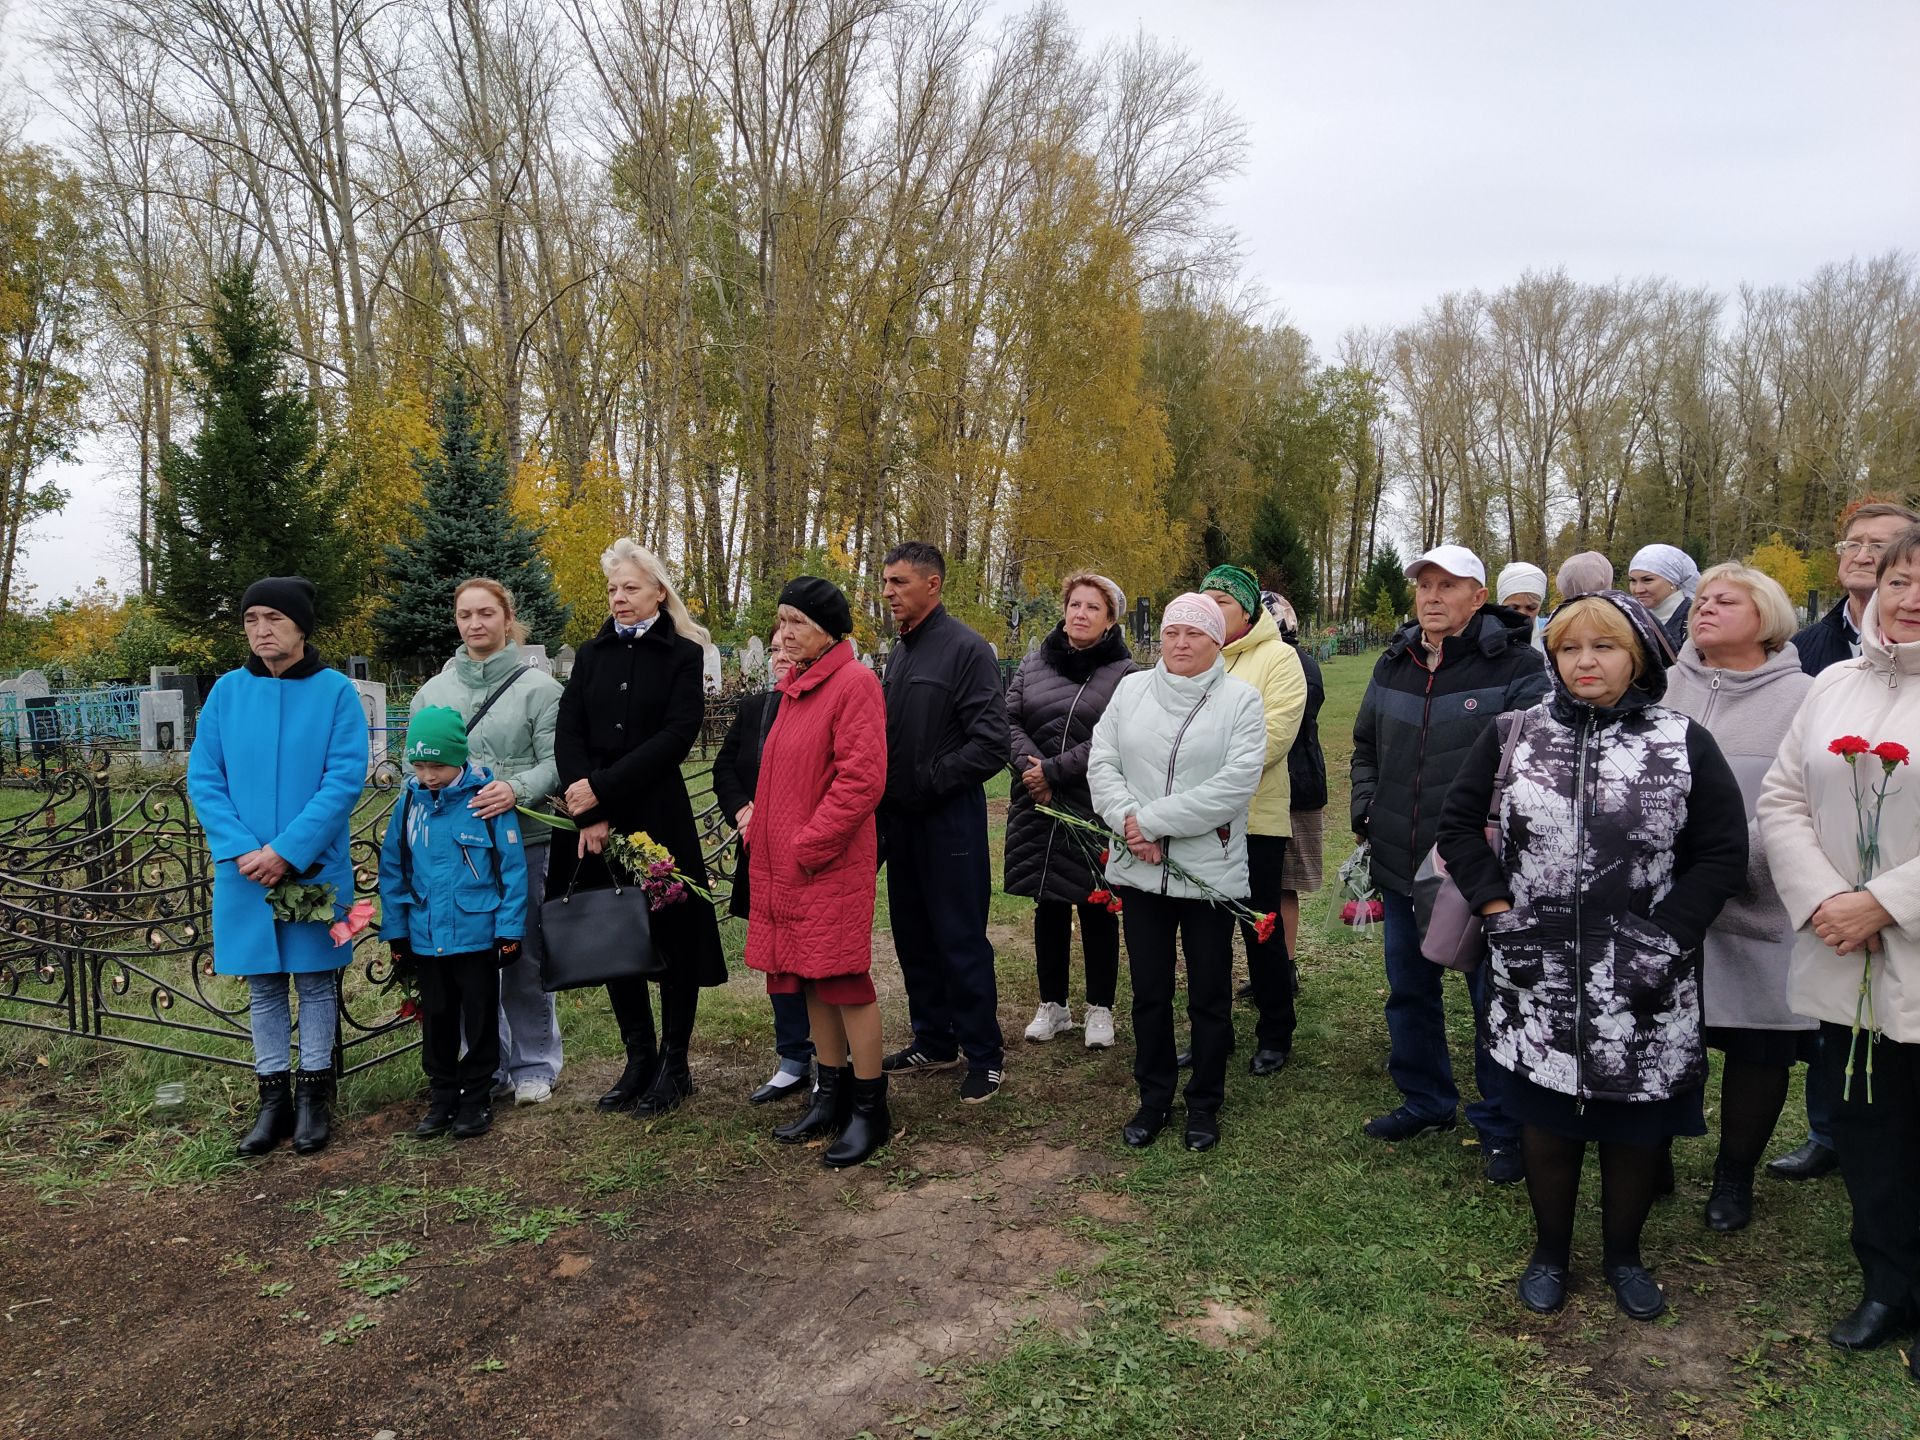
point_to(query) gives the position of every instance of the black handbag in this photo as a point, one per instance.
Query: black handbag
(592, 936)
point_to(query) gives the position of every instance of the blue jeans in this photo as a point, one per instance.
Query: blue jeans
(529, 1016)
(1418, 1059)
(792, 1032)
(271, 1017)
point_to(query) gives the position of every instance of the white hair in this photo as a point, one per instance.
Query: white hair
(626, 552)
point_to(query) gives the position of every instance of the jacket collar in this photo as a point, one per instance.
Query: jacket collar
(1261, 632)
(1078, 665)
(1492, 631)
(929, 621)
(1889, 660)
(471, 778)
(1180, 693)
(836, 655)
(311, 663)
(488, 672)
(1781, 663)
(660, 630)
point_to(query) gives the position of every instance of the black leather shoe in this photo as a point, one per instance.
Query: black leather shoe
(1144, 1128)
(631, 1085)
(1543, 1287)
(1203, 1131)
(1871, 1325)
(782, 1086)
(1636, 1291)
(441, 1108)
(1730, 1205)
(1267, 1062)
(832, 1106)
(1809, 1162)
(1403, 1124)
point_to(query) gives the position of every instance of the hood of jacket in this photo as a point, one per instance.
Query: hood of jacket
(1076, 664)
(1738, 684)
(1647, 690)
(471, 780)
(1894, 660)
(1491, 630)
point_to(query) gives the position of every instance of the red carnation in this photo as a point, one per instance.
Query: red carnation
(1103, 856)
(409, 1010)
(1099, 897)
(1263, 927)
(1113, 905)
(1890, 754)
(1848, 746)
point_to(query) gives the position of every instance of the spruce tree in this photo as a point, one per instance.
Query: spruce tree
(254, 493)
(464, 525)
(1383, 588)
(1280, 557)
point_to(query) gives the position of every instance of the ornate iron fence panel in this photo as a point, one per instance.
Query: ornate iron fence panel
(106, 899)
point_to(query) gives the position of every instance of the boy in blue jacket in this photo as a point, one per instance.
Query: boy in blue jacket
(453, 897)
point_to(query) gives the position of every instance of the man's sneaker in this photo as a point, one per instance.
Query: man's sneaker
(1048, 1021)
(914, 1059)
(1403, 1124)
(1099, 1027)
(1503, 1163)
(980, 1086)
(532, 1092)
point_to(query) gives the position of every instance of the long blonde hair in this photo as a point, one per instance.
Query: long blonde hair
(626, 552)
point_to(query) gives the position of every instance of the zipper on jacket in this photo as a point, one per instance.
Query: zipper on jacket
(1420, 764)
(1066, 730)
(1713, 694)
(1173, 757)
(1579, 862)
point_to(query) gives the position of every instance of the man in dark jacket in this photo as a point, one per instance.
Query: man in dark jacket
(946, 735)
(1834, 637)
(1441, 681)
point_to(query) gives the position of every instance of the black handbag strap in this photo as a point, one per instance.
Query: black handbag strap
(499, 690)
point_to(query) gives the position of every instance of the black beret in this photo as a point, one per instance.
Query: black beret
(821, 601)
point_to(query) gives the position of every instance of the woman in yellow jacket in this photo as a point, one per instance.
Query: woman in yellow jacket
(1256, 654)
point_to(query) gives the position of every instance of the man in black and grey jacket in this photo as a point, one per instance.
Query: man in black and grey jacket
(946, 735)
(1440, 682)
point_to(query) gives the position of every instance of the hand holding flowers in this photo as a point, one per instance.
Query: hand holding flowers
(1854, 919)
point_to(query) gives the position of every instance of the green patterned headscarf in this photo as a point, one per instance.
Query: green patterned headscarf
(1237, 582)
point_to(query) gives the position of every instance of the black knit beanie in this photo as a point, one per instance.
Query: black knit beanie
(291, 595)
(821, 601)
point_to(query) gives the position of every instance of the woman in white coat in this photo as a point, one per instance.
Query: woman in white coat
(1847, 929)
(1173, 767)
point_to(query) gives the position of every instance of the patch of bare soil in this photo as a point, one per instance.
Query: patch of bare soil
(806, 1304)
(1220, 1326)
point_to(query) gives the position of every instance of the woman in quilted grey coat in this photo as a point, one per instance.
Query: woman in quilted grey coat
(1621, 834)
(1057, 694)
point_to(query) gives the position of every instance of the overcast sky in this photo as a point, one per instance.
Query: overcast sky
(1401, 150)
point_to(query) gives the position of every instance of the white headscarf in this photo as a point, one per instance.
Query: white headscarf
(1520, 578)
(1670, 563)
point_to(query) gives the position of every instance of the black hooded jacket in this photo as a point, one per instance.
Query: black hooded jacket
(1416, 725)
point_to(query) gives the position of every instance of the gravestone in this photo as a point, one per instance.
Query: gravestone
(188, 687)
(536, 656)
(359, 667)
(30, 685)
(163, 727)
(710, 670)
(563, 663)
(753, 659)
(373, 703)
(157, 676)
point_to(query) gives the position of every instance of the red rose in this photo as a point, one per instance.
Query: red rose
(1848, 746)
(1890, 754)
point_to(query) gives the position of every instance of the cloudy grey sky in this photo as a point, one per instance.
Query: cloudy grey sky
(1398, 150)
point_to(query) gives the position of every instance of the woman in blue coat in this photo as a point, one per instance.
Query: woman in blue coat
(279, 758)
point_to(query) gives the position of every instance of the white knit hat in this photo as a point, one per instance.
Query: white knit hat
(1520, 578)
(1200, 611)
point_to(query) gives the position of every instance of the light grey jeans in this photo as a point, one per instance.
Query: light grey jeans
(529, 1016)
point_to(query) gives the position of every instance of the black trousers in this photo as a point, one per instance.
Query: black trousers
(939, 883)
(1879, 1146)
(459, 995)
(1204, 932)
(1053, 949)
(633, 1012)
(1269, 966)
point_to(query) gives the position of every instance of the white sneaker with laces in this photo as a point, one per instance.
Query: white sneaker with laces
(532, 1092)
(1099, 1027)
(1048, 1021)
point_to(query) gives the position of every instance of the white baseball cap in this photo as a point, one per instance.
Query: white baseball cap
(1454, 559)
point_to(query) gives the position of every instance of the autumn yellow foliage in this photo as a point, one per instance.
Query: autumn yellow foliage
(575, 529)
(1784, 563)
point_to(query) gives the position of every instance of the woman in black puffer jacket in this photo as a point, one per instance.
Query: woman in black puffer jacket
(1057, 694)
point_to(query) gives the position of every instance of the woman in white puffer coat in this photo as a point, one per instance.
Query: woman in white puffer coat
(1847, 929)
(1176, 758)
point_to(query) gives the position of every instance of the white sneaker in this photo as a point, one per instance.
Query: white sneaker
(1048, 1021)
(1099, 1027)
(532, 1092)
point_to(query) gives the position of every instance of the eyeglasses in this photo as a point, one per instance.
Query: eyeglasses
(1847, 547)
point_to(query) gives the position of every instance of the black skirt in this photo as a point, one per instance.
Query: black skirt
(1774, 1048)
(1611, 1122)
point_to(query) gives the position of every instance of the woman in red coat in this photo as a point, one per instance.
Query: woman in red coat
(812, 860)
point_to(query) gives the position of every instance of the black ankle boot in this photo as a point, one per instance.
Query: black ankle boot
(475, 1115)
(274, 1123)
(831, 1107)
(632, 1083)
(313, 1106)
(672, 1083)
(442, 1106)
(1730, 1206)
(869, 1124)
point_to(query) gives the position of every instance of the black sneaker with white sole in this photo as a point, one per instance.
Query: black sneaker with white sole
(917, 1061)
(980, 1086)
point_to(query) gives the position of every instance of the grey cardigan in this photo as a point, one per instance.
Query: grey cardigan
(1748, 714)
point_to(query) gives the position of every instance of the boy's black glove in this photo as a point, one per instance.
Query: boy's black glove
(505, 952)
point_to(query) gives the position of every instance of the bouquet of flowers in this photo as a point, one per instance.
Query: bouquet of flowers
(300, 902)
(644, 861)
(1096, 842)
(1363, 908)
(1866, 844)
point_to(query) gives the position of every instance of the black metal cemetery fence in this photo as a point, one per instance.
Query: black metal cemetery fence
(106, 902)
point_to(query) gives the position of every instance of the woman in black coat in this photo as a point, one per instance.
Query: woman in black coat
(1057, 694)
(629, 716)
(736, 770)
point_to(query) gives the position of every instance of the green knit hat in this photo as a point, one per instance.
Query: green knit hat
(438, 736)
(1237, 582)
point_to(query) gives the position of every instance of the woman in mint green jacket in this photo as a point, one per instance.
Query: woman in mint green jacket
(514, 739)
